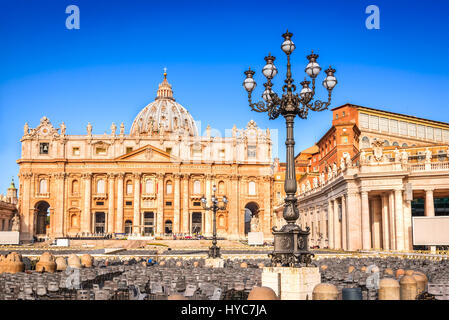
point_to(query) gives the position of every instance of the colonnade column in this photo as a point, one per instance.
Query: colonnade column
(429, 210)
(399, 217)
(408, 242)
(266, 181)
(234, 210)
(323, 227)
(337, 228)
(385, 223)
(366, 232)
(392, 212)
(353, 221)
(119, 218)
(160, 204)
(111, 197)
(86, 225)
(344, 229)
(136, 217)
(177, 205)
(185, 205)
(376, 221)
(330, 224)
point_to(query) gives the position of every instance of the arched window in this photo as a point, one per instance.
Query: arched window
(221, 187)
(196, 187)
(169, 187)
(404, 145)
(100, 186)
(43, 187)
(75, 187)
(149, 186)
(129, 187)
(168, 227)
(128, 226)
(395, 144)
(386, 143)
(365, 142)
(252, 188)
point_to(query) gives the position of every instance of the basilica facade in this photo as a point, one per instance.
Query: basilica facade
(147, 182)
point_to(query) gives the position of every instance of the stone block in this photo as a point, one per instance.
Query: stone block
(291, 283)
(214, 263)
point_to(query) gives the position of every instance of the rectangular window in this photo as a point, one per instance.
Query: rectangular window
(76, 151)
(438, 134)
(364, 118)
(374, 122)
(168, 150)
(445, 135)
(412, 129)
(421, 132)
(44, 146)
(168, 203)
(393, 126)
(129, 149)
(100, 151)
(197, 203)
(129, 203)
(252, 151)
(100, 203)
(403, 128)
(384, 124)
(429, 133)
(344, 139)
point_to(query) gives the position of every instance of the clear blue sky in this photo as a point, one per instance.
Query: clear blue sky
(109, 69)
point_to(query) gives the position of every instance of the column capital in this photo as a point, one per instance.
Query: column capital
(160, 176)
(111, 176)
(120, 175)
(86, 175)
(60, 175)
(177, 176)
(26, 175)
(429, 189)
(185, 176)
(209, 176)
(234, 177)
(137, 175)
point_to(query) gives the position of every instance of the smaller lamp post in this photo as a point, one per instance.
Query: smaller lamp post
(214, 250)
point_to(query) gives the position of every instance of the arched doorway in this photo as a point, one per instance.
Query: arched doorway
(168, 227)
(100, 220)
(148, 221)
(251, 216)
(197, 222)
(42, 217)
(128, 226)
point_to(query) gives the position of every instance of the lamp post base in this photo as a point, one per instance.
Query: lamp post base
(291, 248)
(214, 252)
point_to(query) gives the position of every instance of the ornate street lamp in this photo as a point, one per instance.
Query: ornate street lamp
(290, 242)
(214, 250)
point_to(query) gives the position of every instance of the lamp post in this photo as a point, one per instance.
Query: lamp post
(291, 241)
(214, 250)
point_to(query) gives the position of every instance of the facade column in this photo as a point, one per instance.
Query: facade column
(330, 224)
(337, 228)
(366, 232)
(392, 216)
(58, 220)
(111, 198)
(429, 210)
(86, 221)
(177, 205)
(208, 214)
(185, 205)
(160, 204)
(234, 209)
(119, 219)
(344, 229)
(385, 223)
(27, 214)
(266, 180)
(136, 217)
(399, 220)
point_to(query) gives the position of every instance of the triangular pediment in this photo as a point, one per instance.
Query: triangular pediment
(148, 153)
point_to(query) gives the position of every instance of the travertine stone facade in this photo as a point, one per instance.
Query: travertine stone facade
(147, 182)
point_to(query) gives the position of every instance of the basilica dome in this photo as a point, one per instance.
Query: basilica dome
(164, 115)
